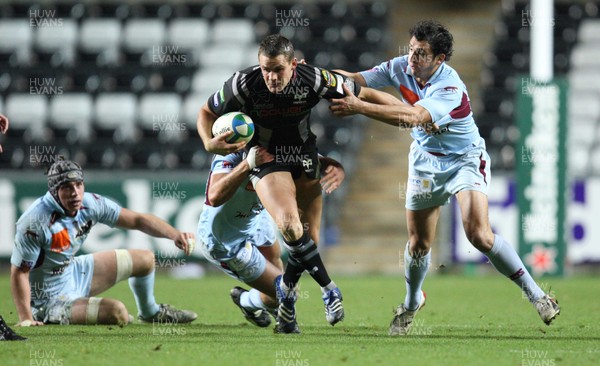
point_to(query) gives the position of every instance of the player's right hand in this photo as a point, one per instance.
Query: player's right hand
(29, 323)
(218, 145)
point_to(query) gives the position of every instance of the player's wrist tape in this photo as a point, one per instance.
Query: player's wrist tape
(251, 158)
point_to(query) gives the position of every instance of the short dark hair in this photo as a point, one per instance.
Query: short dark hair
(439, 37)
(275, 45)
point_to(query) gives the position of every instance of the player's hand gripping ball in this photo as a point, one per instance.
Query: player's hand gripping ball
(238, 122)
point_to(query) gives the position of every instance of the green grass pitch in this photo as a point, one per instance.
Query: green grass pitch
(467, 321)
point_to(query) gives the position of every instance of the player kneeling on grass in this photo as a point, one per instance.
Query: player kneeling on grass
(238, 235)
(52, 285)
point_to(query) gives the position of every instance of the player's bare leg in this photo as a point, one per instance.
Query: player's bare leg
(310, 203)
(105, 268)
(474, 210)
(138, 266)
(96, 310)
(272, 254)
(417, 258)
(277, 193)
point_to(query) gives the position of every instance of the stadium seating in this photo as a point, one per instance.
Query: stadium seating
(91, 78)
(99, 41)
(70, 117)
(28, 114)
(508, 62)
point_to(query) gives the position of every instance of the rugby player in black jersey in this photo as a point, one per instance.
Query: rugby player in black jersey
(278, 94)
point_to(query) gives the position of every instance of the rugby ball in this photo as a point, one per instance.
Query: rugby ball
(240, 123)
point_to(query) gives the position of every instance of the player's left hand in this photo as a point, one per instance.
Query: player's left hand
(347, 105)
(334, 175)
(186, 242)
(431, 127)
(218, 145)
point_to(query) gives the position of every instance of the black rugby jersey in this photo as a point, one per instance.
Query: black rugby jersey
(280, 119)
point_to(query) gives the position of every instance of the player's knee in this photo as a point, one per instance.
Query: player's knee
(290, 229)
(147, 259)
(418, 246)
(481, 239)
(143, 262)
(116, 312)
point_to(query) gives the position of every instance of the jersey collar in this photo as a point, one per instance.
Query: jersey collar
(55, 206)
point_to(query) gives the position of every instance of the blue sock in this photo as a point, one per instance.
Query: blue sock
(251, 300)
(143, 291)
(507, 261)
(415, 269)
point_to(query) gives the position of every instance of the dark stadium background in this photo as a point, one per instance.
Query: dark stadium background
(116, 86)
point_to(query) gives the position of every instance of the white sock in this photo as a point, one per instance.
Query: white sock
(415, 269)
(328, 288)
(507, 261)
(251, 300)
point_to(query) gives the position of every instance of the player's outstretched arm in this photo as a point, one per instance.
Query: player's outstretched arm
(154, 226)
(215, 145)
(393, 112)
(223, 186)
(356, 76)
(19, 284)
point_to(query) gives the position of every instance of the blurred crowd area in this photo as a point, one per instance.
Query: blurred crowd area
(118, 86)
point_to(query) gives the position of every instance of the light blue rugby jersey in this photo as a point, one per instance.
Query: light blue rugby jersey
(46, 240)
(241, 218)
(444, 96)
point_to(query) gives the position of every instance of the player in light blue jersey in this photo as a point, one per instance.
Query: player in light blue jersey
(238, 235)
(50, 284)
(447, 157)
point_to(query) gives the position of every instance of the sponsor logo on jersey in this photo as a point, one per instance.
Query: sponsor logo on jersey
(57, 271)
(451, 89)
(26, 265)
(32, 234)
(442, 130)
(219, 97)
(330, 80)
(300, 98)
(308, 165)
(290, 111)
(85, 229)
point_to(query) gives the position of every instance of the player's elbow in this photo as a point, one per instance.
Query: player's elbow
(18, 278)
(215, 198)
(16, 272)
